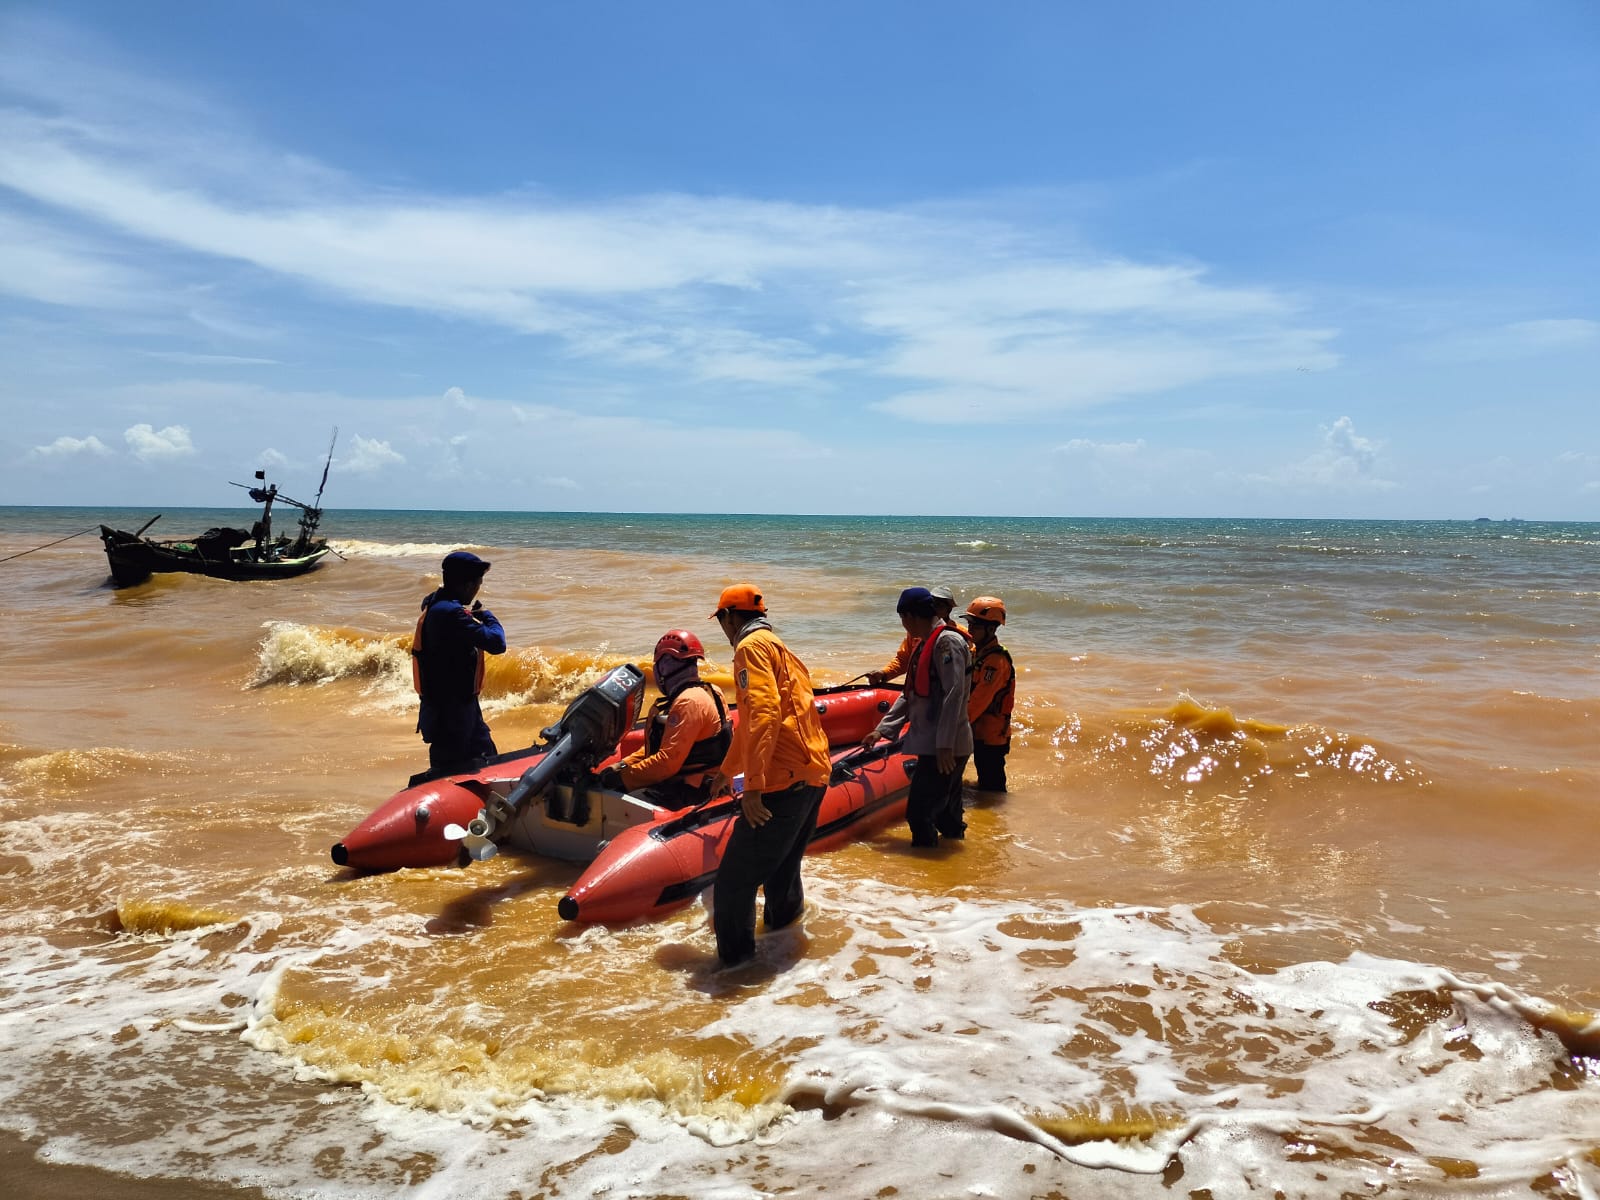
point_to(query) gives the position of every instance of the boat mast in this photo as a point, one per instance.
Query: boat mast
(312, 513)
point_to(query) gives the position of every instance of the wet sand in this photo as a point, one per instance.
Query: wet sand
(26, 1178)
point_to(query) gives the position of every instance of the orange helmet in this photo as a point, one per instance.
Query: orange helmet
(679, 643)
(746, 597)
(987, 608)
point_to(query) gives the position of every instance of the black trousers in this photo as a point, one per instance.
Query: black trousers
(456, 734)
(933, 806)
(768, 858)
(675, 794)
(991, 764)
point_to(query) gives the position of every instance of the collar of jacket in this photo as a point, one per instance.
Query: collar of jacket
(750, 627)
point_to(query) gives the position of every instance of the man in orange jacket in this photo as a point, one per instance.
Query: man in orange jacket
(994, 691)
(780, 746)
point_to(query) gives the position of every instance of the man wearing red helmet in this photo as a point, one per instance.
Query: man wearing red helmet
(687, 733)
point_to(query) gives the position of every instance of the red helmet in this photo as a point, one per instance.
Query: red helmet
(679, 643)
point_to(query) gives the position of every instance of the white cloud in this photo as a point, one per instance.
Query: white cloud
(457, 398)
(562, 482)
(1102, 450)
(152, 445)
(272, 460)
(370, 455)
(1346, 461)
(71, 447)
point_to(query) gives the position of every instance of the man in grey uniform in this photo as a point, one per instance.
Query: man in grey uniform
(934, 701)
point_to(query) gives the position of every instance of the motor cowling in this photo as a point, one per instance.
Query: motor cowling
(586, 733)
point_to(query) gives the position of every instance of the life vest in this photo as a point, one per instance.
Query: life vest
(992, 725)
(704, 755)
(920, 670)
(416, 659)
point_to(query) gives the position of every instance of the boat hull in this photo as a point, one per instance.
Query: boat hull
(671, 856)
(134, 559)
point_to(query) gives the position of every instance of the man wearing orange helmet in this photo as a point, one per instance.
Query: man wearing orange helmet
(780, 746)
(994, 690)
(687, 734)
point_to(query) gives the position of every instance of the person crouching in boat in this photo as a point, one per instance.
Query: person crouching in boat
(994, 692)
(447, 652)
(934, 701)
(687, 734)
(782, 749)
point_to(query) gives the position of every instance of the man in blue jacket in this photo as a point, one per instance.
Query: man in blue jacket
(447, 664)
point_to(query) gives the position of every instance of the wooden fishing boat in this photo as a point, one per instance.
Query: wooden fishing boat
(223, 552)
(219, 553)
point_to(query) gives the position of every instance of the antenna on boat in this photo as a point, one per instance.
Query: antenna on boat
(312, 513)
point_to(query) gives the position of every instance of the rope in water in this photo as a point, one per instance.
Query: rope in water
(47, 545)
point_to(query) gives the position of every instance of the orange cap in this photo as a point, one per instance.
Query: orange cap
(743, 596)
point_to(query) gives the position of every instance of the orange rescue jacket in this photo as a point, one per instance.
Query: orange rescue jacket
(779, 740)
(994, 692)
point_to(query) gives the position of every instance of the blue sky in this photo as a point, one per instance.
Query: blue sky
(1221, 259)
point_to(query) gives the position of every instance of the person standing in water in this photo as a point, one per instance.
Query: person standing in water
(994, 692)
(447, 653)
(934, 701)
(780, 746)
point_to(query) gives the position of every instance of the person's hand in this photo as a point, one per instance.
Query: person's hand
(717, 783)
(757, 813)
(610, 779)
(947, 760)
(871, 740)
(876, 678)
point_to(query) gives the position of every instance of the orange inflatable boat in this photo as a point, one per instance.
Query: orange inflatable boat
(643, 860)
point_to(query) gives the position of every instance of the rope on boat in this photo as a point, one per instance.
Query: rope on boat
(47, 545)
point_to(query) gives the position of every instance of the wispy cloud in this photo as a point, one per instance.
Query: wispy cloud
(208, 360)
(940, 317)
(47, 265)
(71, 447)
(1516, 339)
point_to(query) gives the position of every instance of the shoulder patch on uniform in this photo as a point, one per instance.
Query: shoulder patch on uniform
(743, 680)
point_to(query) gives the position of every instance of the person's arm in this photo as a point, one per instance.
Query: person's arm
(896, 666)
(893, 721)
(481, 631)
(685, 727)
(985, 690)
(950, 660)
(760, 709)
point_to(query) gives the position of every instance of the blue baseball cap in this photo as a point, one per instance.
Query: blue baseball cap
(913, 597)
(463, 562)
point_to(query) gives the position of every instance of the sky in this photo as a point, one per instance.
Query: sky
(1239, 258)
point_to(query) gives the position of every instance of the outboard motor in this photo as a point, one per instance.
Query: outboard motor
(586, 733)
